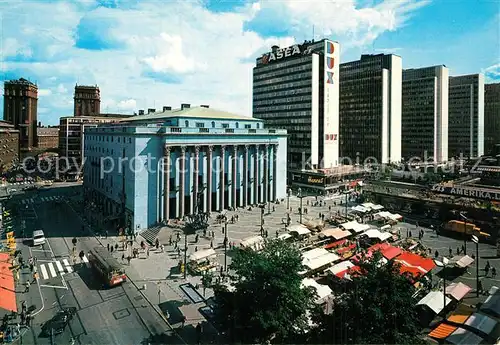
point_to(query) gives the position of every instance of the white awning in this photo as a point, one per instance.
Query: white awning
(320, 261)
(434, 301)
(335, 233)
(254, 242)
(202, 254)
(377, 207)
(299, 229)
(375, 233)
(340, 267)
(285, 236)
(323, 291)
(355, 226)
(360, 209)
(368, 205)
(314, 253)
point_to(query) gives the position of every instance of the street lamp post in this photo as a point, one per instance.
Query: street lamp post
(261, 220)
(288, 199)
(185, 254)
(444, 264)
(225, 246)
(464, 217)
(346, 193)
(299, 195)
(475, 239)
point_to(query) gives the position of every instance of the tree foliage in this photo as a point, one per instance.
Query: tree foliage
(375, 308)
(264, 299)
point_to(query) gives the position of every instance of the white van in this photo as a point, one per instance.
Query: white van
(38, 237)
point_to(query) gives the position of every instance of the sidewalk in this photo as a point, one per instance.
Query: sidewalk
(162, 286)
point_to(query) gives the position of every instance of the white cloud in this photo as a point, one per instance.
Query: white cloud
(61, 89)
(169, 52)
(171, 58)
(492, 73)
(44, 92)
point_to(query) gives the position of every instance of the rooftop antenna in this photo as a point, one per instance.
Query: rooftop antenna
(313, 33)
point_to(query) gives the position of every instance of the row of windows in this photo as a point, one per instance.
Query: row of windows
(289, 100)
(284, 79)
(102, 138)
(265, 69)
(298, 85)
(281, 94)
(285, 107)
(282, 71)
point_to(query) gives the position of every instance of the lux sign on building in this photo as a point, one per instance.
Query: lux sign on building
(282, 53)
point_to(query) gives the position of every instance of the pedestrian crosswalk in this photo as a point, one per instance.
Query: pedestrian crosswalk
(57, 268)
(43, 199)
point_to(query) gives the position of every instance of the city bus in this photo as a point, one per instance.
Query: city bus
(111, 271)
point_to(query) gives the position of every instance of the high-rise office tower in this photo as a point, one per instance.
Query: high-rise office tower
(20, 109)
(491, 118)
(87, 100)
(466, 116)
(297, 89)
(370, 109)
(425, 114)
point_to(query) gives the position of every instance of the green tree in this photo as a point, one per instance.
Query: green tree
(376, 308)
(264, 299)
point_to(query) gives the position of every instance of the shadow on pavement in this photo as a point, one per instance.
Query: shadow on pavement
(172, 312)
(89, 276)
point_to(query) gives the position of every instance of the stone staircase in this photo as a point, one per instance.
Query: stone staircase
(151, 234)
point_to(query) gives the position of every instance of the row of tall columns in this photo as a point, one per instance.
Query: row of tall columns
(264, 186)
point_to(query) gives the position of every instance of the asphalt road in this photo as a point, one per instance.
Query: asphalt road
(104, 316)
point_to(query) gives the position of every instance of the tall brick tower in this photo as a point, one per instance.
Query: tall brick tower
(20, 109)
(87, 100)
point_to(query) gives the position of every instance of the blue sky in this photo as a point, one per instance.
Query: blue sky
(146, 54)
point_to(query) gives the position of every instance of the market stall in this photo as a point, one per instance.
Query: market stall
(254, 242)
(203, 261)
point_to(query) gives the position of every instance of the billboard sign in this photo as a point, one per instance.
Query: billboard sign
(331, 104)
(284, 53)
(468, 192)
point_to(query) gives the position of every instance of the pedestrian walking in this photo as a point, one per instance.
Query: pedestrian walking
(436, 254)
(486, 270)
(161, 248)
(458, 251)
(451, 251)
(147, 252)
(170, 238)
(183, 320)
(123, 257)
(157, 243)
(23, 306)
(128, 260)
(116, 247)
(35, 277)
(108, 247)
(211, 244)
(111, 249)
(27, 287)
(106, 233)
(493, 272)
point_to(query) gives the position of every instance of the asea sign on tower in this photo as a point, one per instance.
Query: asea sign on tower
(282, 53)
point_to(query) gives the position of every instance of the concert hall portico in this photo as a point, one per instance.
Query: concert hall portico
(226, 159)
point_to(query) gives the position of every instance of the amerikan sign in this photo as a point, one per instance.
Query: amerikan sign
(283, 53)
(467, 192)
